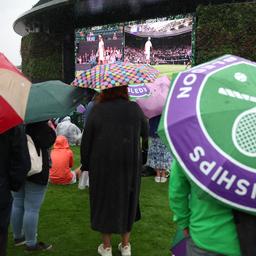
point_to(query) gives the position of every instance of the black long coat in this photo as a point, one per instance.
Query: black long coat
(111, 152)
(14, 166)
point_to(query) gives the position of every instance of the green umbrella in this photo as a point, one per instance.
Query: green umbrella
(52, 99)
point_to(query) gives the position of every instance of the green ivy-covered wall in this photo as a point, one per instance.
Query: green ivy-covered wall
(42, 57)
(225, 29)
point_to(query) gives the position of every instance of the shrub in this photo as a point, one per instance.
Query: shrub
(225, 29)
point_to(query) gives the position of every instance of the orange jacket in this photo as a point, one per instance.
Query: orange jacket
(62, 161)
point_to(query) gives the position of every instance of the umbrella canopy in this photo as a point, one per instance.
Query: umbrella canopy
(52, 99)
(116, 74)
(14, 91)
(80, 108)
(138, 91)
(179, 244)
(209, 123)
(158, 91)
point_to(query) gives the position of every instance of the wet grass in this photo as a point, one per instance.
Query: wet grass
(65, 222)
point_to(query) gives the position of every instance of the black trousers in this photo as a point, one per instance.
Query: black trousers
(246, 230)
(3, 241)
(5, 214)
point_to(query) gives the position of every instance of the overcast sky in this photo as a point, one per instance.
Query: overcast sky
(10, 10)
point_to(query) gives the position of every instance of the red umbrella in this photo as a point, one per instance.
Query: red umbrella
(14, 91)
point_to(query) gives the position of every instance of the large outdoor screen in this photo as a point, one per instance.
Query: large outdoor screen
(163, 42)
(99, 45)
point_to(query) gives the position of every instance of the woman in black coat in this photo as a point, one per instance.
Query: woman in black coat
(28, 200)
(111, 151)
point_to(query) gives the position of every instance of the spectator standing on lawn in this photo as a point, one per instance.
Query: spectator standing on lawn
(29, 198)
(208, 225)
(111, 153)
(159, 157)
(62, 162)
(89, 106)
(14, 165)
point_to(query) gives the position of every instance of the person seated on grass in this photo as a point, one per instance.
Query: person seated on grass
(62, 161)
(69, 130)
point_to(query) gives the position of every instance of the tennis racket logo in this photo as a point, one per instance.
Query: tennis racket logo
(244, 127)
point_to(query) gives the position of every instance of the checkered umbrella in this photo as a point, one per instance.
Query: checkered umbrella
(116, 74)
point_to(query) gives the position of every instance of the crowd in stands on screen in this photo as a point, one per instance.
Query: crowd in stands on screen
(174, 55)
(90, 37)
(111, 55)
(164, 27)
(114, 36)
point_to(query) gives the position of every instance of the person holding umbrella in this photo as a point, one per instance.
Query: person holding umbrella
(14, 165)
(29, 198)
(111, 152)
(14, 161)
(220, 97)
(208, 225)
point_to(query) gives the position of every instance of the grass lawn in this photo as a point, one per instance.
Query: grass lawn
(65, 222)
(169, 69)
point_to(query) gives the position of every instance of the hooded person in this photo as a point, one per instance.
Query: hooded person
(62, 161)
(70, 131)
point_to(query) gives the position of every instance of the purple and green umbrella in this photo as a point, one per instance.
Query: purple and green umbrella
(116, 74)
(209, 122)
(179, 244)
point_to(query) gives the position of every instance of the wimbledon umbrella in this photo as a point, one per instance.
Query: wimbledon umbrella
(14, 90)
(116, 74)
(138, 91)
(158, 91)
(52, 99)
(209, 123)
(179, 244)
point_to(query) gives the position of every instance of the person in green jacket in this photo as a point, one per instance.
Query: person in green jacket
(207, 224)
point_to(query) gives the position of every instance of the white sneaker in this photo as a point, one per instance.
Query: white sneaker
(126, 250)
(157, 179)
(104, 251)
(163, 179)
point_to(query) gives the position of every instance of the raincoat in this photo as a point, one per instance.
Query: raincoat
(62, 161)
(70, 131)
